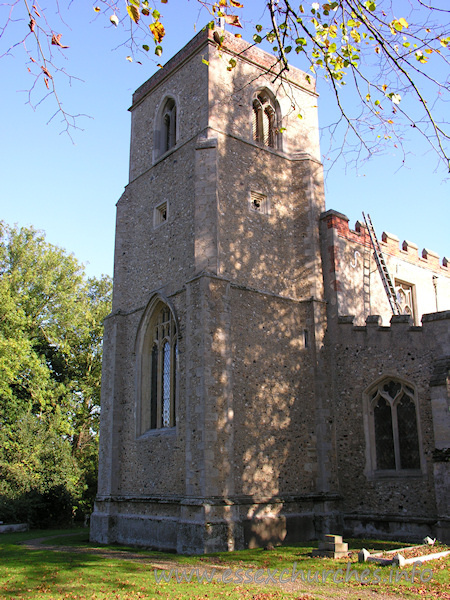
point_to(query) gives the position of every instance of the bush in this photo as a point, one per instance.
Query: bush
(39, 478)
(54, 508)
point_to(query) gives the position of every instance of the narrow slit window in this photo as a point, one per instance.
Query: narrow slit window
(306, 338)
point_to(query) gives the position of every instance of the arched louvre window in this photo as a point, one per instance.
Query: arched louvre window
(169, 124)
(165, 136)
(264, 120)
(395, 426)
(159, 371)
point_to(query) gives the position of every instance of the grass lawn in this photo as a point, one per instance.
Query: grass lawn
(70, 568)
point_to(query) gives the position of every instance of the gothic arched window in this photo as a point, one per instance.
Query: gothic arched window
(158, 370)
(394, 425)
(169, 124)
(166, 128)
(264, 120)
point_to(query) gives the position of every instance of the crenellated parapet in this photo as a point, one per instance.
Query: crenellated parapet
(390, 243)
(435, 330)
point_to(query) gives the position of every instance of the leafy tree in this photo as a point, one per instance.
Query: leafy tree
(50, 366)
(393, 56)
(40, 478)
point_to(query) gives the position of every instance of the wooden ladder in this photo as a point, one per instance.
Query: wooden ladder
(382, 267)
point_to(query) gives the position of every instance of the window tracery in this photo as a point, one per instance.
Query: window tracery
(264, 120)
(158, 371)
(394, 425)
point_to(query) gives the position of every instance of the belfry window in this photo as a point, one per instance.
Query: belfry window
(264, 119)
(169, 125)
(394, 424)
(158, 371)
(166, 128)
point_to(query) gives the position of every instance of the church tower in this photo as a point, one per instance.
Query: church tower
(214, 432)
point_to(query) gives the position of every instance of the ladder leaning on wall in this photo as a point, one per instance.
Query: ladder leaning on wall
(382, 267)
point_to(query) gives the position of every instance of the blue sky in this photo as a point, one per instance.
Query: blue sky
(69, 190)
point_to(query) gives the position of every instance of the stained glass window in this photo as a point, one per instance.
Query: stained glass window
(159, 371)
(384, 438)
(395, 426)
(407, 433)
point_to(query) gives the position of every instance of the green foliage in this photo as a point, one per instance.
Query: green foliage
(51, 329)
(34, 456)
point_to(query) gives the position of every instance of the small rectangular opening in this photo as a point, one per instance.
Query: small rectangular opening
(259, 202)
(160, 214)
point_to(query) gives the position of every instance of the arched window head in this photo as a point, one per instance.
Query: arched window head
(264, 120)
(170, 124)
(395, 437)
(166, 128)
(158, 370)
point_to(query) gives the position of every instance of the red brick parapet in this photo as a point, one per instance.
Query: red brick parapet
(389, 243)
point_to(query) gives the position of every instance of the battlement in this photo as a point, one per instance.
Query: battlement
(433, 333)
(390, 243)
(375, 321)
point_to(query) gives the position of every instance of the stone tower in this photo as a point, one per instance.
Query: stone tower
(214, 432)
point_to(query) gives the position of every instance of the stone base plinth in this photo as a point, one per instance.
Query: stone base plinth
(203, 525)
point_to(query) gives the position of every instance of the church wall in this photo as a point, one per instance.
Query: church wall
(273, 396)
(269, 250)
(150, 256)
(400, 505)
(354, 283)
(151, 463)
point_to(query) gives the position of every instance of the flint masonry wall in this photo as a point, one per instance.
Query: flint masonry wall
(392, 506)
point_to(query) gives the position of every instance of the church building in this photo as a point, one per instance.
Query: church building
(269, 374)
